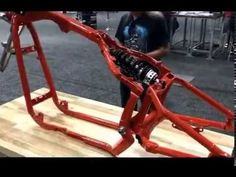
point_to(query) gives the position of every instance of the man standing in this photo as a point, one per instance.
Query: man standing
(170, 19)
(145, 32)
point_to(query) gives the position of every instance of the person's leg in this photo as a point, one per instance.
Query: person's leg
(175, 25)
(125, 94)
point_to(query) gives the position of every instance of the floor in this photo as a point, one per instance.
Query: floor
(78, 68)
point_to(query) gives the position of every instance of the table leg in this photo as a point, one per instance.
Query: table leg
(201, 31)
(185, 31)
(211, 40)
(171, 29)
(204, 33)
(108, 28)
(194, 25)
(189, 53)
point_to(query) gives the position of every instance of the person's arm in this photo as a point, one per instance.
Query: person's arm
(160, 52)
(119, 42)
(161, 38)
(119, 33)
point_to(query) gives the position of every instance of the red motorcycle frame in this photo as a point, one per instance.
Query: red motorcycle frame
(152, 111)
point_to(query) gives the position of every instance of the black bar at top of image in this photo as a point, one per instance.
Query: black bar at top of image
(120, 5)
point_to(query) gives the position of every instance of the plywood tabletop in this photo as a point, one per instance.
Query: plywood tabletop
(21, 136)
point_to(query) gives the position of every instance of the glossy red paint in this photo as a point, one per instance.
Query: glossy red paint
(152, 111)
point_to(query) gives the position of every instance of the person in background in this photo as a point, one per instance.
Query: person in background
(229, 29)
(146, 32)
(228, 25)
(175, 24)
(233, 21)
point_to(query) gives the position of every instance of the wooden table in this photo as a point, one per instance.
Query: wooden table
(21, 136)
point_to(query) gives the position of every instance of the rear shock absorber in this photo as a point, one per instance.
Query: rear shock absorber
(140, 70)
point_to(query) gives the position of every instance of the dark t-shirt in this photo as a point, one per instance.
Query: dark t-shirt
(145, 34)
